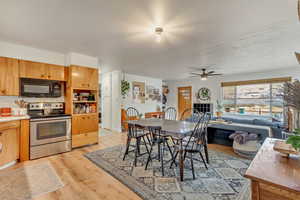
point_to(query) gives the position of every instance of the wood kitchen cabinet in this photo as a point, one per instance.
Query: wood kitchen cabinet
(84, 77)
(9, 77)
(9, 142)
(29, 69)
(84, 129)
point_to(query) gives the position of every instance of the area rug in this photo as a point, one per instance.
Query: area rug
(222, 181)
(28, 182)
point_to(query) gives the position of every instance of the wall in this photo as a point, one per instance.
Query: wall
(214, 83)
(148, 106)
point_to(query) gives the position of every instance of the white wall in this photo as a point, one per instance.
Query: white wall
(214, 83)
(30, 53)
(82, 60)
(148, 106)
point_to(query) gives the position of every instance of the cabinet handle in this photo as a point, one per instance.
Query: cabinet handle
(49, 76)
(42, 75)
(1, 147)
(3, 91)
(1, 133)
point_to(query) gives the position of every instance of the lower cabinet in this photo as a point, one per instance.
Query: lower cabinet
(9, 142)
(84, 129)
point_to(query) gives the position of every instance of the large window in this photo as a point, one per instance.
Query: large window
(261, 98)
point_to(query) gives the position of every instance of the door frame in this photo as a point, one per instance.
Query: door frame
(178, 88)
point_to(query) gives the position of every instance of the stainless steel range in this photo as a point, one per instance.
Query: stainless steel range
(50, 129)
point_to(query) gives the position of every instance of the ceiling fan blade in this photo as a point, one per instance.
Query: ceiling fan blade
(298, 57)
(215, 74)
(210, 72)
(193, 73)
(299, 9)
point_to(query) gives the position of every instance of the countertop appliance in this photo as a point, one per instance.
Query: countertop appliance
(40, 88)
(50, 129)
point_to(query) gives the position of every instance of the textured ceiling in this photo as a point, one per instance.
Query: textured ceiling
(234, 36)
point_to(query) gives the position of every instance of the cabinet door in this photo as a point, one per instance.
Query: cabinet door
(77, 124)
(9, 140)
(35, 70)
(84, 78)
(91, 123)
(9, 77)
(93, 78)
(56, 72)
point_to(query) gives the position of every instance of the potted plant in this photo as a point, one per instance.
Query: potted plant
(219, 109)
(125, 86)
(294, 139)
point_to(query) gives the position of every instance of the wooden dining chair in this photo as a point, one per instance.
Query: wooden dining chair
(141, 137)
(171, 113)
(195, 143)
(132, 113)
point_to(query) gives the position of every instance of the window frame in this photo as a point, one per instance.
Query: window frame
(270, 82)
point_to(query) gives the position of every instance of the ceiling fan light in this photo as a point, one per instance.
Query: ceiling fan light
(203, 78)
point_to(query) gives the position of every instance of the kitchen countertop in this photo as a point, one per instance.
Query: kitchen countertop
(13, 118)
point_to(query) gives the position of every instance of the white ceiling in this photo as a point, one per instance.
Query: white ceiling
(235, 36)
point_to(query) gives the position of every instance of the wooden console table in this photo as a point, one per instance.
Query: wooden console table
(272, 176)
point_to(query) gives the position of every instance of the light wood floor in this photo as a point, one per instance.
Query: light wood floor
(85, 181)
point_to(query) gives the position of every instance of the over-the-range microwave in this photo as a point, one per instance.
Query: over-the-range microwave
(40, 88)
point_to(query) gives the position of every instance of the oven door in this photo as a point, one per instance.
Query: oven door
(49, 130)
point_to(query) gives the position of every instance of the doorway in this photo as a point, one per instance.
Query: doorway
(184, 99)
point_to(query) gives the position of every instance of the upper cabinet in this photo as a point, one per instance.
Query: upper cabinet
(9, 77)
(29, 69)
(84, 77)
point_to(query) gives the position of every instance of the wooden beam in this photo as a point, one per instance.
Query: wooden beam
(260, 81)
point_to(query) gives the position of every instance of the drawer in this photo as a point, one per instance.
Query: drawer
(9, 125)
(79, 140)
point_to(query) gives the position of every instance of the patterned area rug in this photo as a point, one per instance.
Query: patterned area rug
(28, 182)
(222, 181)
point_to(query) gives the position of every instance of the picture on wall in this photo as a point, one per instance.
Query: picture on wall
(153, 93)
(138, 92)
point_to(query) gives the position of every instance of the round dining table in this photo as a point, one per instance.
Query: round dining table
(172, 128)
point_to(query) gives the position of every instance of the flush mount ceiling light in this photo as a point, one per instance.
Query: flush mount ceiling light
(158, 32)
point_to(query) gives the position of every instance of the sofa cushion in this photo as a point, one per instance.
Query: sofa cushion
(262, 122)
(238, 120)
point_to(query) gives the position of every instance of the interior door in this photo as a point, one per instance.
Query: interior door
(184, 99)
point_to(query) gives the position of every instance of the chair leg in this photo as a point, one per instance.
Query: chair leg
(162, 157)
(206, 153)
(127, 147)
(170, 150)
(145, 144)
(174, 160)
(149, 157)
(192, 163)
(136, 151)
(203, 159)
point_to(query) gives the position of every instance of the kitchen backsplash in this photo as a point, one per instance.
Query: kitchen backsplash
(9, 101)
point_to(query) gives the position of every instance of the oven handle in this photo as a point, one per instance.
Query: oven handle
(49, 119)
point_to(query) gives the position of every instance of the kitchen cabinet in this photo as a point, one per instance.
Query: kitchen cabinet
(9, 77)
(9, 142)
(84, 77)
(36, 70)
(84, 129)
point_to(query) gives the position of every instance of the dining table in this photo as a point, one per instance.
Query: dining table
(172, 128)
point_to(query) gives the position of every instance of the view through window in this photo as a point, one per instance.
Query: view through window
(254, 99)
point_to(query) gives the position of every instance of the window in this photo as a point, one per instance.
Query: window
(262, 98)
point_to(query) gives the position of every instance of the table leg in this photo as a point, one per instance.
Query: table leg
(181, 161)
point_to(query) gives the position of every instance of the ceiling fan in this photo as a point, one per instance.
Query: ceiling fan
(204, 74)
